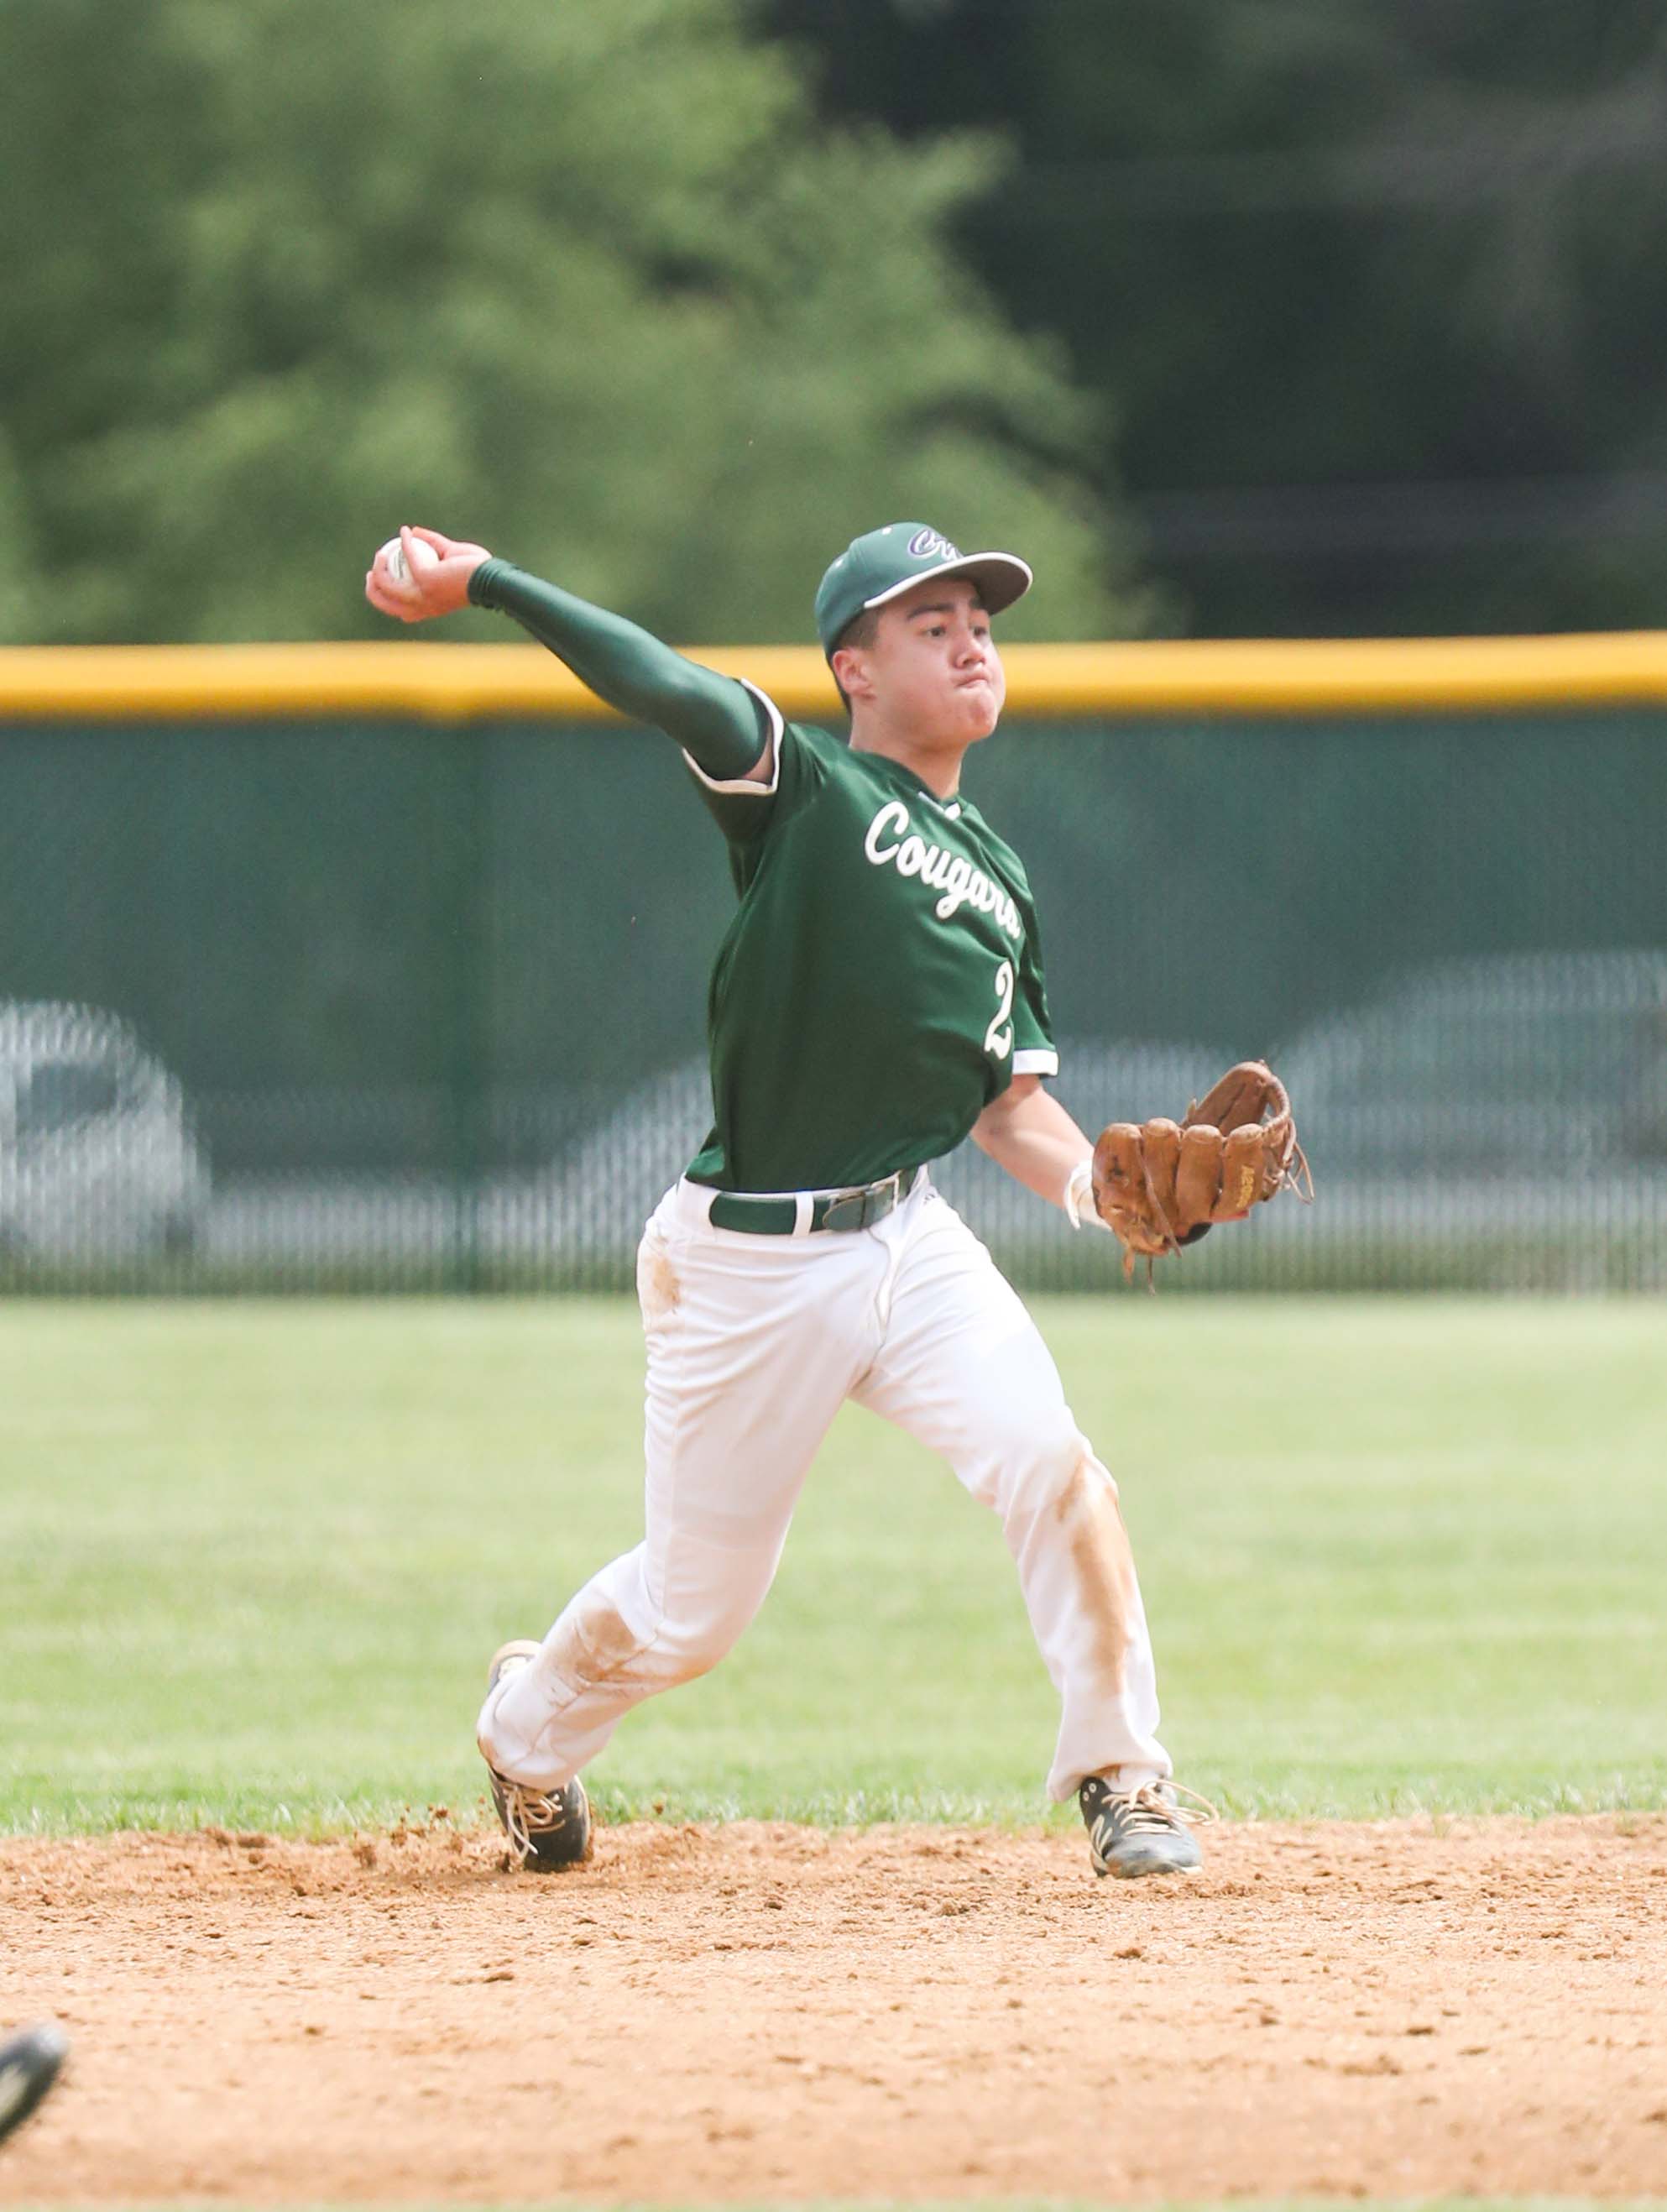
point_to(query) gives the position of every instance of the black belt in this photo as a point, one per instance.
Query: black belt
(829, 1209)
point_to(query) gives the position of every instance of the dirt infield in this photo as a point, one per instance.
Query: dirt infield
(757, 2012)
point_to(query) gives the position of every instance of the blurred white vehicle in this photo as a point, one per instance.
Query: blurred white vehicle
(612, 1175)
(1492, 1068)
(98, 1155)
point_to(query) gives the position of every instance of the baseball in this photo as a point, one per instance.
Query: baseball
(393, 560)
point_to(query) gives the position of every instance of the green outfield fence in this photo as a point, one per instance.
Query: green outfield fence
(382, 968)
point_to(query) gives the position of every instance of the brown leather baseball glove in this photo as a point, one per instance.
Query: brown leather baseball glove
(1160, 1184)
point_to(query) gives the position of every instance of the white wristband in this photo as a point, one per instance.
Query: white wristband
(1078, 1196)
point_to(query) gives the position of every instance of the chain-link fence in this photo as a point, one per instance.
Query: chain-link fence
(330, 1004)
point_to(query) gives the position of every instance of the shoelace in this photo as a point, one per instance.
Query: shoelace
(1150, 1810)
(528, 1813)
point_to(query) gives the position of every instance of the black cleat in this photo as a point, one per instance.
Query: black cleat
(547, 1828)
(1136, 1832)
(29, 2063)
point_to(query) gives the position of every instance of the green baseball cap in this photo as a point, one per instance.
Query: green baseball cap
(878, 567)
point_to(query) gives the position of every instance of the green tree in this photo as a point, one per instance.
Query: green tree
(1313, 245)
(590, 284)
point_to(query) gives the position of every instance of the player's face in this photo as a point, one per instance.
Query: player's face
(933, 669)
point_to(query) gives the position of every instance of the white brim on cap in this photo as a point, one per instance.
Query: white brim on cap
(1010, 577)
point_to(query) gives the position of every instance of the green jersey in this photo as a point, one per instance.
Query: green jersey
(881, 982)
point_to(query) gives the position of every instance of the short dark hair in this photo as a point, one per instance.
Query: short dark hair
(860, 631)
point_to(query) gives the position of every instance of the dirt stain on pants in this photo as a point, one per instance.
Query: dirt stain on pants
(591, 1646)
(658, 1288)
(1105, 1566)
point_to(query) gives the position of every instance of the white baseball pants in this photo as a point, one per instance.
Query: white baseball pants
(754, 1344)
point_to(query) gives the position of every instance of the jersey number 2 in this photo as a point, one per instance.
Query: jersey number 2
(998, 1037)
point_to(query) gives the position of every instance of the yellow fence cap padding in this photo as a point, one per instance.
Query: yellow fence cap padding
(409, 677)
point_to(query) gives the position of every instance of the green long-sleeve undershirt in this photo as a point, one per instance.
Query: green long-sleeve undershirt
(719, 723)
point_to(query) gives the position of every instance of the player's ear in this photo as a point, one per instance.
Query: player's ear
(850, 671)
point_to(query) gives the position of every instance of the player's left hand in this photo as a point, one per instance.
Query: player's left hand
(1158, 1185)
(437, 578)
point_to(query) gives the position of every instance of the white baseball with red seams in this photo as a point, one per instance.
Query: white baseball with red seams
(754, 1344)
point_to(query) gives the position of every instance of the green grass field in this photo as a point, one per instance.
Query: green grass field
(1397, 1554)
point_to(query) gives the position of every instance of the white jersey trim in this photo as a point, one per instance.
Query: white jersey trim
(1036, 1059)
(745, 785)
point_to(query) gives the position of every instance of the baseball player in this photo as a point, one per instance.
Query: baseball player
(877, 998)
(29, 2064)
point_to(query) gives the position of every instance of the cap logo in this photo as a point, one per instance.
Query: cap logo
(928, 544)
